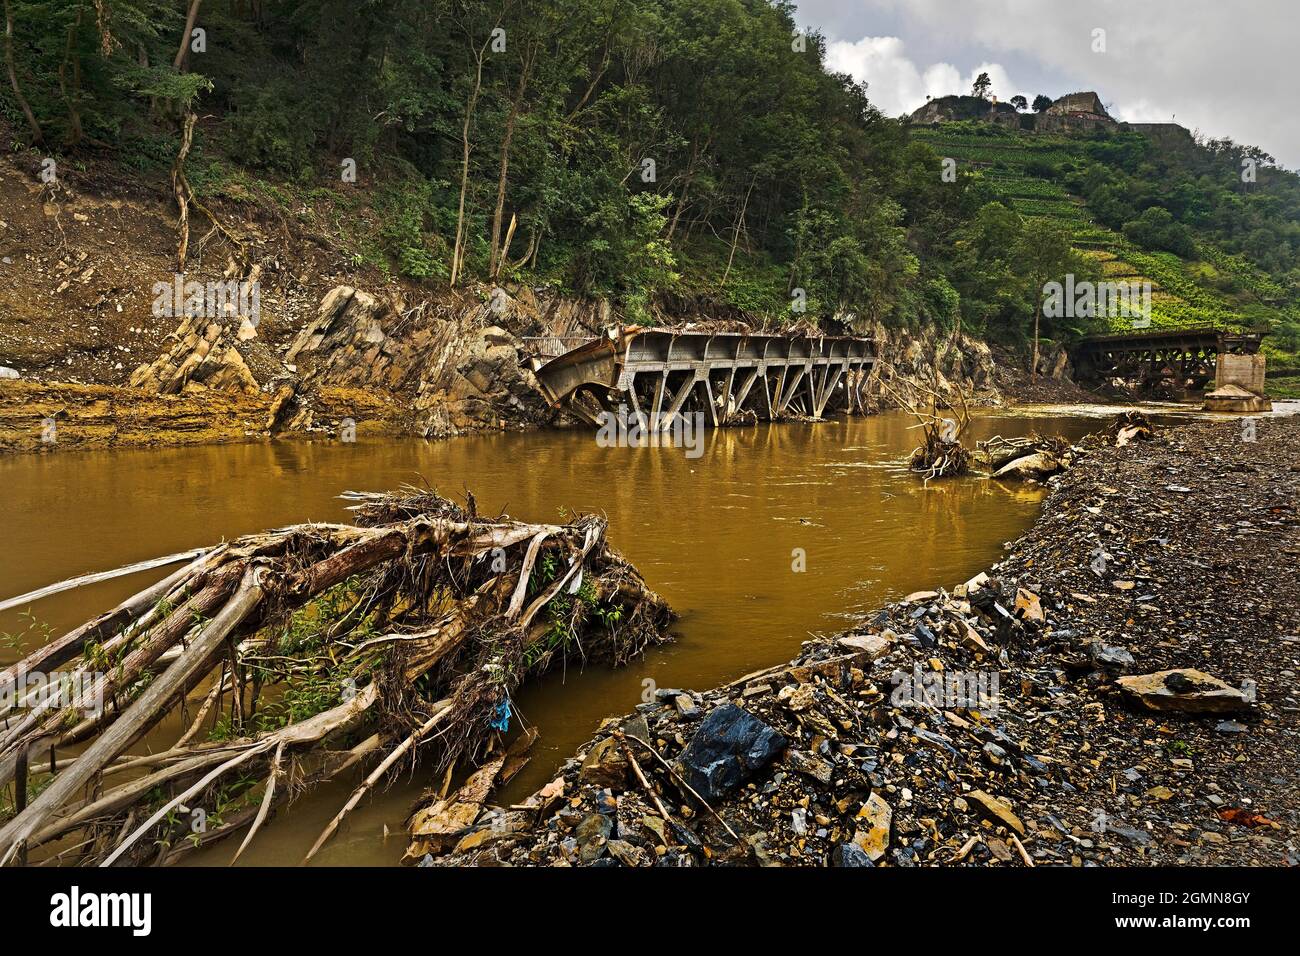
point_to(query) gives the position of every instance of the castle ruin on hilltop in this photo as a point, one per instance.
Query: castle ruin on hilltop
(1074, 111)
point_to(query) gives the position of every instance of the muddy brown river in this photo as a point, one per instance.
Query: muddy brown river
(718, 536)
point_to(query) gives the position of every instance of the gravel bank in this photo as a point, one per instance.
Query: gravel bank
(991, 725)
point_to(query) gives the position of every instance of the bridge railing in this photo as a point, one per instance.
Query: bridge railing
(553, 346)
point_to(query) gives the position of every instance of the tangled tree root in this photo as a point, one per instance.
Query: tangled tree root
(941, 453)
(313, 648)
(940, 458)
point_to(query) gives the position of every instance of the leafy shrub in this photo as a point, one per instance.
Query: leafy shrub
(1156, 230)
(268, 128)
(1040, 169)
(405, 210)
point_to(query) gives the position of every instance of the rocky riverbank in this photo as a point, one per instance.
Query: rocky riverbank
(363, 365)
(91, 356)
(1119, 690)
(382, 365)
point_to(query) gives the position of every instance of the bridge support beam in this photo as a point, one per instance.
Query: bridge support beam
(745, 386)
(784, 402)
(767, 375)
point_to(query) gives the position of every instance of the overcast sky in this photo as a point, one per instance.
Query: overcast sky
(1223, 67)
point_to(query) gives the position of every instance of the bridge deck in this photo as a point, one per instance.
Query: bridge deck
(1205, 335)
(727, 376)
(1150, 355)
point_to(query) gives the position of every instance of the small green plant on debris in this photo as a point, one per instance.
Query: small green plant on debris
(34, 633)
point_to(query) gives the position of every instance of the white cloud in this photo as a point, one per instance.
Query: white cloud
(897, 85)
(1143, 111)
(1226, 69)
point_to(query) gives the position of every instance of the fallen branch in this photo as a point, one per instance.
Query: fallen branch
(375, 776)
(681, 782)
(97, 577)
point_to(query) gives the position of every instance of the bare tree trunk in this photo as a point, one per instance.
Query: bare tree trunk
(740, 222)
(1033, 368)
(37, 136)
(75, 134)
(185, 37)
(798, 242)
(591, 87)
(505, 243)
(529, 252)
(106, 41)
(181, 188)
(686, 188)
(498, 257)
(458, 249)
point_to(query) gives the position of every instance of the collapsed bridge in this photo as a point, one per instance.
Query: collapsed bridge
(728, 377)
(1188, 356)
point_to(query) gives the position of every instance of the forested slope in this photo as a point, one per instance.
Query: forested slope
(1215, 248)
(675, 157)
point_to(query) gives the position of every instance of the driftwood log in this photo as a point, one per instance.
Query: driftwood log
(312, 649)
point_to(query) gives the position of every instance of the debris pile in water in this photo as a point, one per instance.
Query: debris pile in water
(1038, 458)
(309, 650)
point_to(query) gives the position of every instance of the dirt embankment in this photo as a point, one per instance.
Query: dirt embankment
(1119, 690)
(99, 362)
(79, 259)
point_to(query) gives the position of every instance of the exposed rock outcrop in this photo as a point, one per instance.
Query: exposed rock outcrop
(928, 355)
(1073, 112)
(945, 109)
(448, 368)
(203, 354)
(457, 371)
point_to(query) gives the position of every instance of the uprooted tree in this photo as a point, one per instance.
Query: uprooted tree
(308, 651)
(941, 453)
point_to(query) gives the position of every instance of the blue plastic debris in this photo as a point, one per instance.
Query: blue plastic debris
(502, 721)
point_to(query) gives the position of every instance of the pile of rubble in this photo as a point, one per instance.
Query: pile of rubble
(1118, 690)
(1038, 458)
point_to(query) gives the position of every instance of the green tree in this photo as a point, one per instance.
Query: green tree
(1043, 254)
(1156, 229)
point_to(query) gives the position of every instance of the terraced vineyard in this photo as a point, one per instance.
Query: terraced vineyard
(1218, 288)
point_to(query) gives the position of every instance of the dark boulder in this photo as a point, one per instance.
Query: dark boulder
(850, 854)
(729, 748)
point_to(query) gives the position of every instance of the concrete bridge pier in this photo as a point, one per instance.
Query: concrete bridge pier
(1238, 384)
